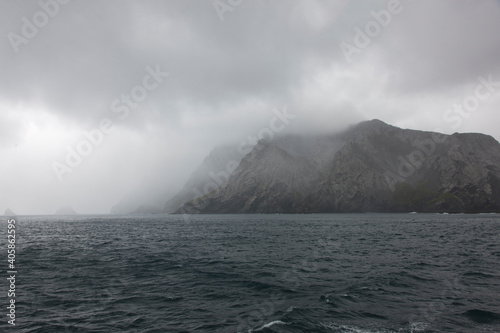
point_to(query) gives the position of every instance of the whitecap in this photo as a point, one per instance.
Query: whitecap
(418, 326)
(275, 322)
(355, 329)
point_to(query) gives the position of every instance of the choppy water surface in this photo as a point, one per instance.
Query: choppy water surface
(260, 273)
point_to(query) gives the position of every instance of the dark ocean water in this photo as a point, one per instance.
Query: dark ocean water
(256, 273)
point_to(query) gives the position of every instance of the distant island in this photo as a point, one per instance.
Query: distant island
(65, 210)
(9, 212)
(370, 167)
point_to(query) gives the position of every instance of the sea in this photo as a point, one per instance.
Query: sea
(320, 273)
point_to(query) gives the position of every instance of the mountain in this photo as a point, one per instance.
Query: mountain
(147, 209)
(213, 171)
(371, 167)
(65, 210)
(9, 212)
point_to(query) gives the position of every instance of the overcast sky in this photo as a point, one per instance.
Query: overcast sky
(64, 68)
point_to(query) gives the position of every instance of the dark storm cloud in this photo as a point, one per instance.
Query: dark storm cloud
(92, 51)
(442, 44)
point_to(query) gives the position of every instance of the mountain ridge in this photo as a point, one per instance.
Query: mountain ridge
(371, 166)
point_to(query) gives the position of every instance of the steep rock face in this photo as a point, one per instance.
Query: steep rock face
(268, 179)
(354, 182)
(470, 170)
(370, 167)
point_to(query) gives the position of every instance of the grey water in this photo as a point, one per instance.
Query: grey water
(256, 273)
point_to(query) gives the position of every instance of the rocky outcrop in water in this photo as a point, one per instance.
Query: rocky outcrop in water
(372, 167)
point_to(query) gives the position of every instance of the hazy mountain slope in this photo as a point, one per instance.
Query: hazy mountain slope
(65, 210)
(141, 200)
(9, 212)
(370, 167)
(213, 171)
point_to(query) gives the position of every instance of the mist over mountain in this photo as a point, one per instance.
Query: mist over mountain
(208, 176)
(371, 167)
(142, 200)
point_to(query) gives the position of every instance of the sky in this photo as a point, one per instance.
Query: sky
(101, 99)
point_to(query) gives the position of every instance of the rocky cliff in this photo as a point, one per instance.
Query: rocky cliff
(371, 167)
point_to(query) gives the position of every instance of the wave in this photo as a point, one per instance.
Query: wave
(482, 316)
